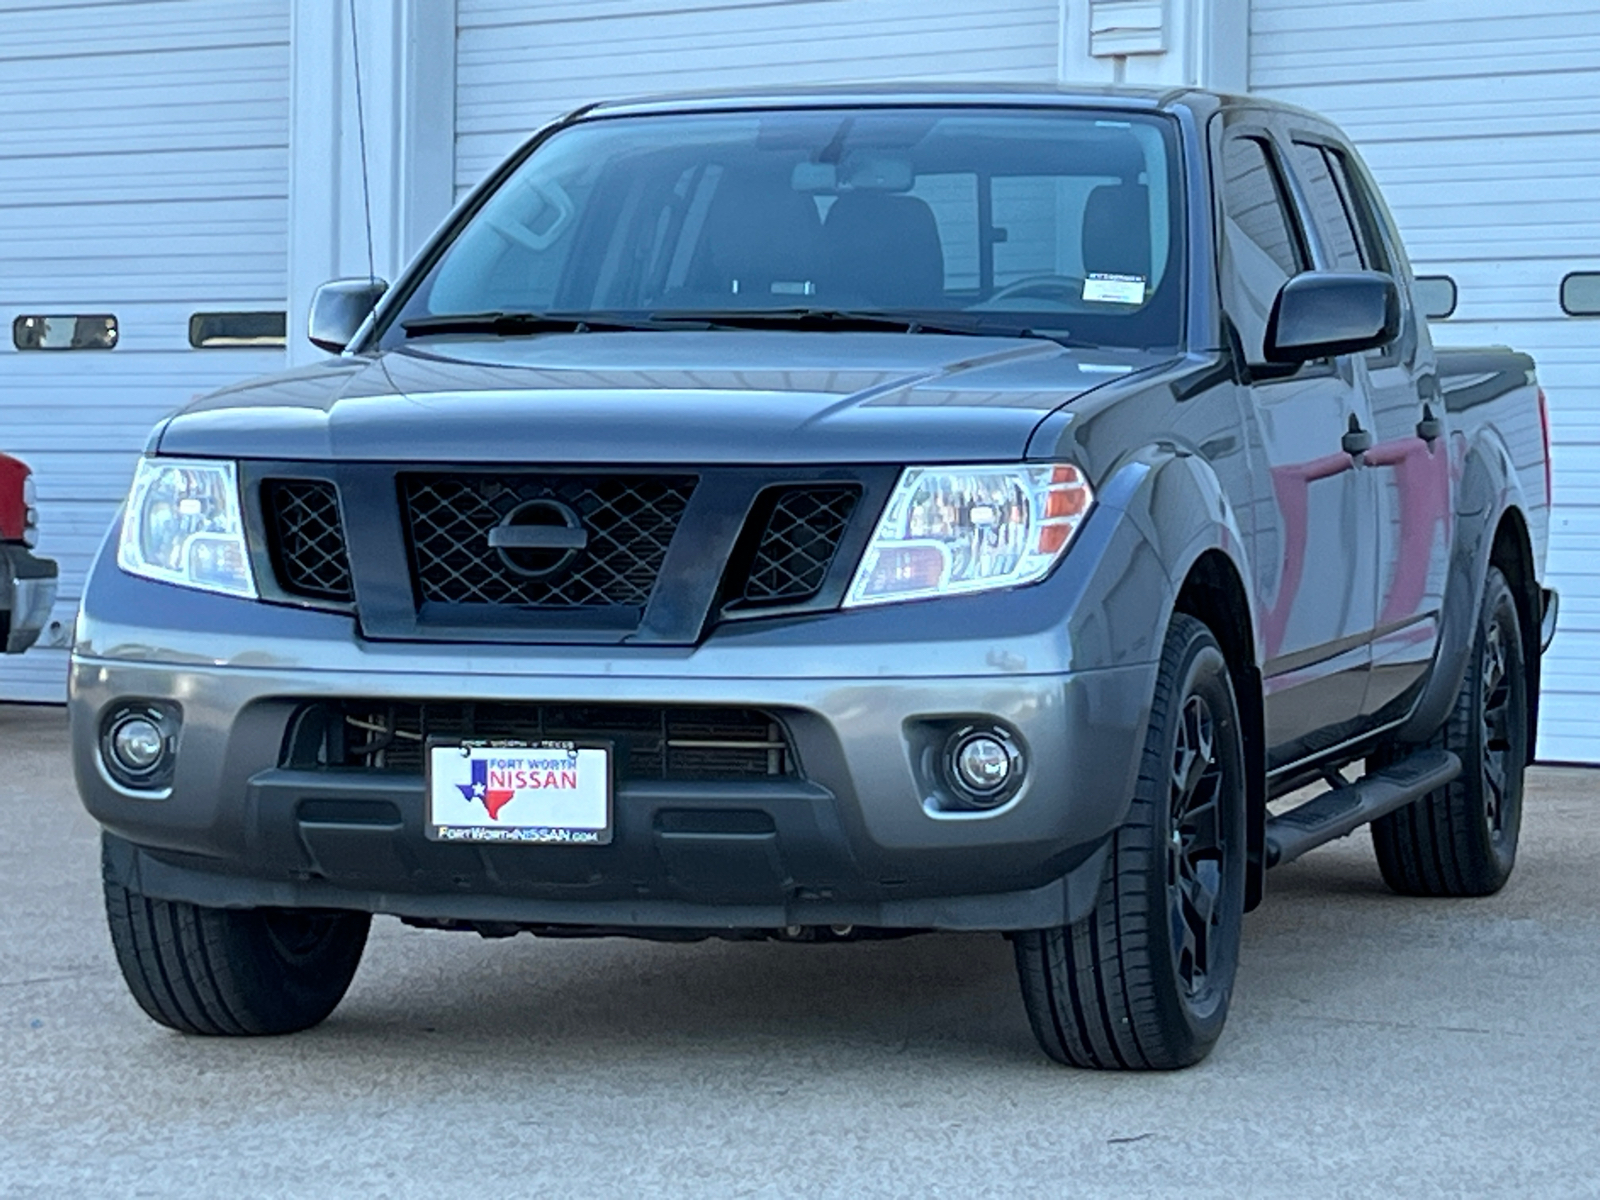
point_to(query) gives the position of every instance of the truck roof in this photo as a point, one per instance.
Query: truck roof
(1064, 94)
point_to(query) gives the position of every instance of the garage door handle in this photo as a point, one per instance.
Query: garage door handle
(1356, 441)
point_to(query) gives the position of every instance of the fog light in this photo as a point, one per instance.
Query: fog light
(137, 744)
(985, 766)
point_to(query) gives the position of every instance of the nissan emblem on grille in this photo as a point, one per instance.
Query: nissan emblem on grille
(539, 538)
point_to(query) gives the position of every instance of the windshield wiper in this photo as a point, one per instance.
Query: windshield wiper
(517, 324)
(854, 320)
(838, 319)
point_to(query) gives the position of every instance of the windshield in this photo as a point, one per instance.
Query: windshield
(1059, 223)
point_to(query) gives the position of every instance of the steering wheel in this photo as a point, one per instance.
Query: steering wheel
(1041, 287)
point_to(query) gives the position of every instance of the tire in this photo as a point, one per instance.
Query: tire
(1143, 981)
(1461, 839)
(233, 972)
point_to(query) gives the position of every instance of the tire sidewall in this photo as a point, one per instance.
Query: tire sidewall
(1499, 608)
(1202, 670)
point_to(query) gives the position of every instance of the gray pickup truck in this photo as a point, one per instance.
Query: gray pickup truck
(828, 516)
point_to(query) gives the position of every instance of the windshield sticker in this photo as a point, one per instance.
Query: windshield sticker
(1114, 289)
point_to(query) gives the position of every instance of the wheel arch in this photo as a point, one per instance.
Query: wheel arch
(1213, 592)
(1512, 552)
(1491, 528)
(1182, 509)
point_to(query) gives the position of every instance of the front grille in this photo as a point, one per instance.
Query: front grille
(306, 538)
(629, 521)
(797, 546)
(678, 743)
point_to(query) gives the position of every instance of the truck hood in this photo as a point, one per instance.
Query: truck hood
(705, 397)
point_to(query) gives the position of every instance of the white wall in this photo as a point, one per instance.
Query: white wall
(407, 104)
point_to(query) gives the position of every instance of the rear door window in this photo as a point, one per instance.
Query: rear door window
(1328, 204)
(1369, 230)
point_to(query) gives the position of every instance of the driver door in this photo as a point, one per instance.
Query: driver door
(1315, 517)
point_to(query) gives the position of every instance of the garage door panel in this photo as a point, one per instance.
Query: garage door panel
(143, 173)
(249, 173)
(1416, 24)
(516, 71)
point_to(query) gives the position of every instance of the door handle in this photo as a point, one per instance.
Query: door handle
(1356, 440)
(1430, 427)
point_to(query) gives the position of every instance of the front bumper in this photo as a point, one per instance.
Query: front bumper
(851, 840)
(1066, 665)
(27, 594)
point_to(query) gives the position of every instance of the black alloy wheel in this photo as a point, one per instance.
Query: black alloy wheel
(1195, 847)
(1143, 982)
(1461, 839)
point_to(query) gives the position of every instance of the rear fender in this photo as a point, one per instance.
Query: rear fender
(1488, 489)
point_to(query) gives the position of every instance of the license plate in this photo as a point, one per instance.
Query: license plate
(513, 791)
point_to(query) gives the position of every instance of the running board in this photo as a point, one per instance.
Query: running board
(1344, 808)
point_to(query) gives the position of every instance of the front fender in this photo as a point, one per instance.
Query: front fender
(1181, 510)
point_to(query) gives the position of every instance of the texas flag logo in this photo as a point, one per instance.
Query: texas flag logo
(493, 799)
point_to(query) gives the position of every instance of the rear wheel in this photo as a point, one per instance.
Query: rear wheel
(1143, 981)
(233, 972)
(1461, 839)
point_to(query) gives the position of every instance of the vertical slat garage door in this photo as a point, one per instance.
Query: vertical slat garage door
(519, 65)
(143, 167)
(1478, 118)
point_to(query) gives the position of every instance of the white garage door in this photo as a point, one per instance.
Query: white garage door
(519, 65)
(1478, 118)
(143, 169)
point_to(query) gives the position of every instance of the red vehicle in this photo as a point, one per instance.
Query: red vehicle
(27, 582)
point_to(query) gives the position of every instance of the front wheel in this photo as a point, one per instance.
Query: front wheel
(233, 972)
(1143, 981)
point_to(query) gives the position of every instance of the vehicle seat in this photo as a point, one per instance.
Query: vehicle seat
(762, 239)
(1116, 230)
(883, 250)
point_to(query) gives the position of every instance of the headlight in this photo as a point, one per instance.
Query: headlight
(183, 526)
(948, 530)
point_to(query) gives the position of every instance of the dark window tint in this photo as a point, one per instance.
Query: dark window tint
(253, 329)
(1359, 201)
(1262, 243)
(64, 332)
(1333, 218)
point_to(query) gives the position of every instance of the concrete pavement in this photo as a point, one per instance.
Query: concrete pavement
(1378, 1046)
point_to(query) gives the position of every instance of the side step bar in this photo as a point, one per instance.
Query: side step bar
(1346, 807)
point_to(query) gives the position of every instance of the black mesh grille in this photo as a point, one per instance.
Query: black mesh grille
(679, 743)
(307, 538)
(629, 521)
(798, 543)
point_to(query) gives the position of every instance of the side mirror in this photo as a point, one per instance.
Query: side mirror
(1322, 313)
(338, 310)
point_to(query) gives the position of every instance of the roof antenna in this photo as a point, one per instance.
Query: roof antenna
(361, 131)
